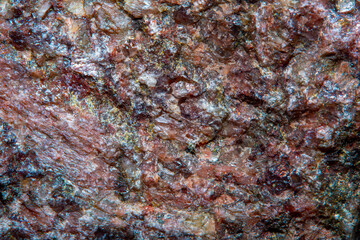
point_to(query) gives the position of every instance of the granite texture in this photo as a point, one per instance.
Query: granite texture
(179, 119)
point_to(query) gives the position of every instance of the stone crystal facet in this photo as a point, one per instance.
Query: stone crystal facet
(345, 6)
(178, 119)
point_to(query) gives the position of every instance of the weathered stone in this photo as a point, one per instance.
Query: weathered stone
(179, 119)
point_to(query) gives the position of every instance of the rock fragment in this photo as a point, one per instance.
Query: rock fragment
(139, 8)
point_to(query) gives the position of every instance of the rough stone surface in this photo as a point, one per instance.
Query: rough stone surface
(178, 119)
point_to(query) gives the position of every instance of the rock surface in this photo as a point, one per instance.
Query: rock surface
(178, 119)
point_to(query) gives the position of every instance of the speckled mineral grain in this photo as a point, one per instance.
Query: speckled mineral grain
(179, 119)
